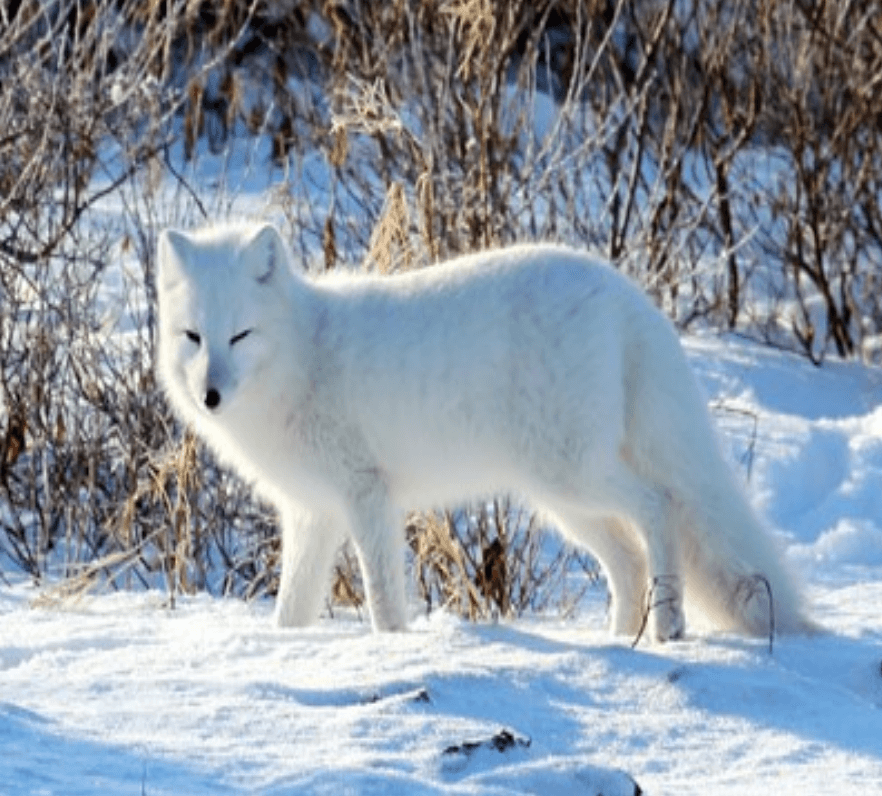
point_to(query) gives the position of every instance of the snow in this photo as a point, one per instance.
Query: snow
(117, 694)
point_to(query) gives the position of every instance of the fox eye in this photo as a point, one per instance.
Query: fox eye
(241, 336)
(193, 337)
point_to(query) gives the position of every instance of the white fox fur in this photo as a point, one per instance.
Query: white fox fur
(535, 370)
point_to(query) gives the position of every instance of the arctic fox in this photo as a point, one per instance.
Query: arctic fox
(535, 370)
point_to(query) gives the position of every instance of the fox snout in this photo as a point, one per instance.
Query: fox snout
(212, 399)
(214, 382)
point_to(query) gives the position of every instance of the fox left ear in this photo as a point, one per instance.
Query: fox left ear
(265, 253)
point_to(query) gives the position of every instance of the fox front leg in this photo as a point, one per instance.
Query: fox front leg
(308, 547)
(376, 531)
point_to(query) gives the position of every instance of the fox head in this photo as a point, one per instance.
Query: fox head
(220, 290)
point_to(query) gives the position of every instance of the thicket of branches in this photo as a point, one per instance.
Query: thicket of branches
(725, 153)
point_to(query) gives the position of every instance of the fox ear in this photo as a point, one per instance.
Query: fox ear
(172, 250)
(266, 252)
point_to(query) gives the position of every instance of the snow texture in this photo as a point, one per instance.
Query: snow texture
(118, 695)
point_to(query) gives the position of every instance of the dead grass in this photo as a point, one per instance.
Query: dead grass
(433, 118)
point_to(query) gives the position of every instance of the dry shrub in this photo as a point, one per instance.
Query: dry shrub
(93, 482)
(724, 153)
(390, 247)
(495, 559)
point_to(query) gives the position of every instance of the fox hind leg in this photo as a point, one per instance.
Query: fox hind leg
(655, 511)
(614, 542)
(652, 516)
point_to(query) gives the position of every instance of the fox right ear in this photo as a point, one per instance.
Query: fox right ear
(172, 250)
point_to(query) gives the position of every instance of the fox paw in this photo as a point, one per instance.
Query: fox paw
(665, 606)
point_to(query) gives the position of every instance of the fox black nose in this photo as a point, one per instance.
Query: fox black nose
(212, 398)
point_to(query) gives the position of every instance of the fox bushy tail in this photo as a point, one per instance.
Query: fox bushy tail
(733, 570)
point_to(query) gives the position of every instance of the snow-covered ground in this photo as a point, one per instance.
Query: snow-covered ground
(118, 695)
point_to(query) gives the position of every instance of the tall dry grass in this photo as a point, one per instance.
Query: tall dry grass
(724, 154)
